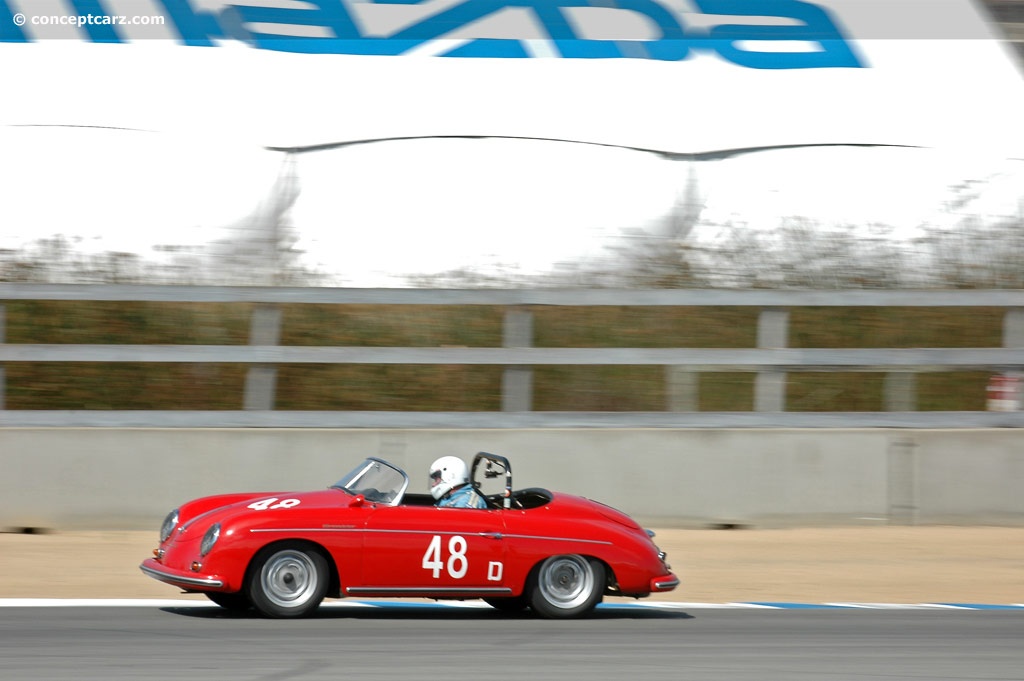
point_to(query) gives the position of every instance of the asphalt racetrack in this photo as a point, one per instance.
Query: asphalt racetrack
(407, 641)
(714, 627)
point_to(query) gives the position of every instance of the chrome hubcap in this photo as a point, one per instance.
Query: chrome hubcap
(289, 579)
(566, 581)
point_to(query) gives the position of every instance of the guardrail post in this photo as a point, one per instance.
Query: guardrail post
(3, 373)
(517, 381)
(682, 389)
(770, 386)
(900, 391)
(261, 381)
(1013, 327)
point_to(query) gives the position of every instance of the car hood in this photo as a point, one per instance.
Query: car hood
(199, 514)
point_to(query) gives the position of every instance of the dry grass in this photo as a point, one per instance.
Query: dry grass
(866, 565)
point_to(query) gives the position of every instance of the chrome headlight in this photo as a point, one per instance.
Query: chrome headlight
(209, 539)
(170, 522)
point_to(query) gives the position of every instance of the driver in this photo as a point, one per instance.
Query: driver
(449, 484)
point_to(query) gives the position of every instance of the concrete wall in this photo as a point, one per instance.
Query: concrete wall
(107, 478)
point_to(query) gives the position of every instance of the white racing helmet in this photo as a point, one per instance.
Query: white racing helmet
(446, 473)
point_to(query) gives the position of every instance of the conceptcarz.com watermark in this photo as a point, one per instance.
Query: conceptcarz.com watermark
(80, 20)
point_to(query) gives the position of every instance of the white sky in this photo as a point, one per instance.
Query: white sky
(521, 203)
(377, 211)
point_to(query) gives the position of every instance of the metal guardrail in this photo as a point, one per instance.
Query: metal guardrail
(771, 359)
(715, 359)
(565, 297)
(938, 420)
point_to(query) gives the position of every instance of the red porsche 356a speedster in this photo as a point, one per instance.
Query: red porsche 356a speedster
(283, 553)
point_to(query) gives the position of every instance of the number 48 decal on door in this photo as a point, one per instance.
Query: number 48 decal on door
(457, 563)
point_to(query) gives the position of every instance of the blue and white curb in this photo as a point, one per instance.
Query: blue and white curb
(667, 606)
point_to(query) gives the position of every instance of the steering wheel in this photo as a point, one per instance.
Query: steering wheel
(374, 494)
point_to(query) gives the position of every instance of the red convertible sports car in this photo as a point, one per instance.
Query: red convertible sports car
(283, 553)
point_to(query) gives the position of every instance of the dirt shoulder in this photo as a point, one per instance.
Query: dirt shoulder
(864, 565)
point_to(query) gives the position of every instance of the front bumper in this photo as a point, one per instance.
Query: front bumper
(189, 581)
(664, 583)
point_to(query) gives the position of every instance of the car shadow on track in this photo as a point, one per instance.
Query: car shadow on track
(427, 611)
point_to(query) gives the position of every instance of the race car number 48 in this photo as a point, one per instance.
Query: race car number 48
(457, 564)
(267, 504)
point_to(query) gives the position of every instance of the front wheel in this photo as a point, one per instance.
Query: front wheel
(567, 586)
(287, 580)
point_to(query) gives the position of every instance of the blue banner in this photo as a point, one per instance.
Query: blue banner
(756, 34)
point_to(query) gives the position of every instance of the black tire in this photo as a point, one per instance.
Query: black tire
(287, 580)
(567, 586)
(509, 603)
(235, 602)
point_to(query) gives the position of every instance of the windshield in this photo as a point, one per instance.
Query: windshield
(376, 480)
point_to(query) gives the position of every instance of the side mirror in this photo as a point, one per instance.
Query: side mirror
(357, 500)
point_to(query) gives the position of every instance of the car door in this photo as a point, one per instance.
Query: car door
(421, 550)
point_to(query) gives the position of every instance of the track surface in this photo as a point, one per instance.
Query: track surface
(344, 641)
(675, 639)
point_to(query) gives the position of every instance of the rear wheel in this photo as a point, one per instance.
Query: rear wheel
(236, 602)
(567, 586)
(288, 580)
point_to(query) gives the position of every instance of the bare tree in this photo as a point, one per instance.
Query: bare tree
(261, 246)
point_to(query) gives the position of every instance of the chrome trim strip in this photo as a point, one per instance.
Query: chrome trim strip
(307, 529)
(569, 539)
(428, 590)
(489, 535)
(172, 578)
(382, 530)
